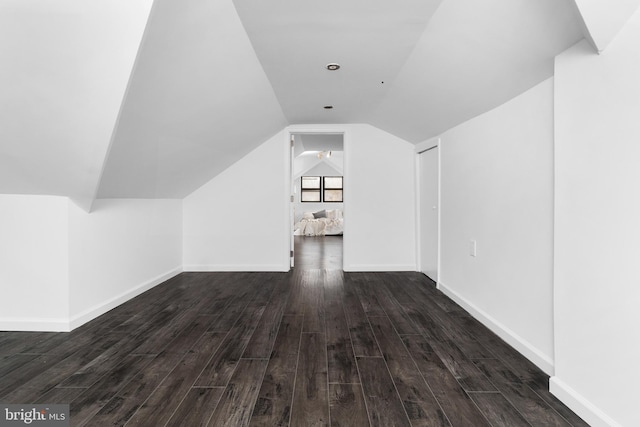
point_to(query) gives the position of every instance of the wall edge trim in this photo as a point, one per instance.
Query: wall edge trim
(101, 308)
(379, 267)
(196, 268)
(529, 351)
(579, 404)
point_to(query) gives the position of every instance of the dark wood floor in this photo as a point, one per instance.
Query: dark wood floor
(318, 252)
(312, 347)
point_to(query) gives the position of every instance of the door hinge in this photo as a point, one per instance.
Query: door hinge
(291, 254)
(292, 199)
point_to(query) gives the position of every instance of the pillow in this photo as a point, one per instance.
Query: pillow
(307, 215)
(331, 214)
(320, 214)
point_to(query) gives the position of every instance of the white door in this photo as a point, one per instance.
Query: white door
(429, 213)
(292, 204)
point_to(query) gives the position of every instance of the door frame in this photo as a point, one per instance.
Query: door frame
(312, 130)
(419, 149)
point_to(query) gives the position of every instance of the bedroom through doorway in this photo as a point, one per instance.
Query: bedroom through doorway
(317, 176)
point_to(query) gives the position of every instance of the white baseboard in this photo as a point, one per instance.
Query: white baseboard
(581, 406)
(378, 267)
(236, 267)
(540, 359)
(35, 324)
(99, 309)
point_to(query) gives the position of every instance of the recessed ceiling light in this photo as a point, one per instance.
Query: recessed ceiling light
(328, 107)
(333, 66)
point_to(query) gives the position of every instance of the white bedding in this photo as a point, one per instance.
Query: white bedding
(319, 227)
(331, 225)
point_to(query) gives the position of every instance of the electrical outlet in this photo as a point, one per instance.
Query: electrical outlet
(473, 247)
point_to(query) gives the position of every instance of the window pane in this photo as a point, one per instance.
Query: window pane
(310, 196)
(332, 195)
(333, 182)
(310, 182)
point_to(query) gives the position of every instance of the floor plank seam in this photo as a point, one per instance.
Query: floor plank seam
(326, 361)
(270, 353)
(395, 387)
(549, 406)
(71, 387)
(206, 387)
(424, 379)
(295, 375)
(512, 404)
(150, 394)
(355, 358)
(204, 366)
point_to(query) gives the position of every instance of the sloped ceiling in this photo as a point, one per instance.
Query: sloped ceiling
(318, 142)
(306, 150)
(197, 102)
(472, 57)
(213, 79)
(304, 165)
(321, 168)
(604, 20)
(64, 67)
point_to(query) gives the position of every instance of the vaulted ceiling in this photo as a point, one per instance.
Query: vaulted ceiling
(151, 99)
(310, 150)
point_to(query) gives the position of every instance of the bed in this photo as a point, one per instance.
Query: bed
(322, 223)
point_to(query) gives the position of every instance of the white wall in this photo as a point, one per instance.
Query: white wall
(121, 249)
(597, 223)
(379, 207)
(239, 221)
(61, 266)
(497, 189)
(321, 169)
(92, 262)
(33, 263)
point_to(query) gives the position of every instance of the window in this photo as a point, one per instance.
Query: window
(332, 189)
(310, 189)
(317, 189)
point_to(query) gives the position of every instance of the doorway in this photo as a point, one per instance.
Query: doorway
(429, 212)
(317, 202)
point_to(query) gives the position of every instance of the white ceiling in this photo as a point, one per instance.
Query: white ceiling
(294, 41)
(318, 142)
(306, 149)
(603, 20)
(214, 79)
(442, 62)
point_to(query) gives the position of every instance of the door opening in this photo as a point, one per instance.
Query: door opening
(429, 212)
(317, 199)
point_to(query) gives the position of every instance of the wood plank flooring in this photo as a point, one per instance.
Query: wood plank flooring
(312, 347)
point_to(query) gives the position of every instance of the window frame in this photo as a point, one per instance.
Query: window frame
(304, 190)
(325, 188)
